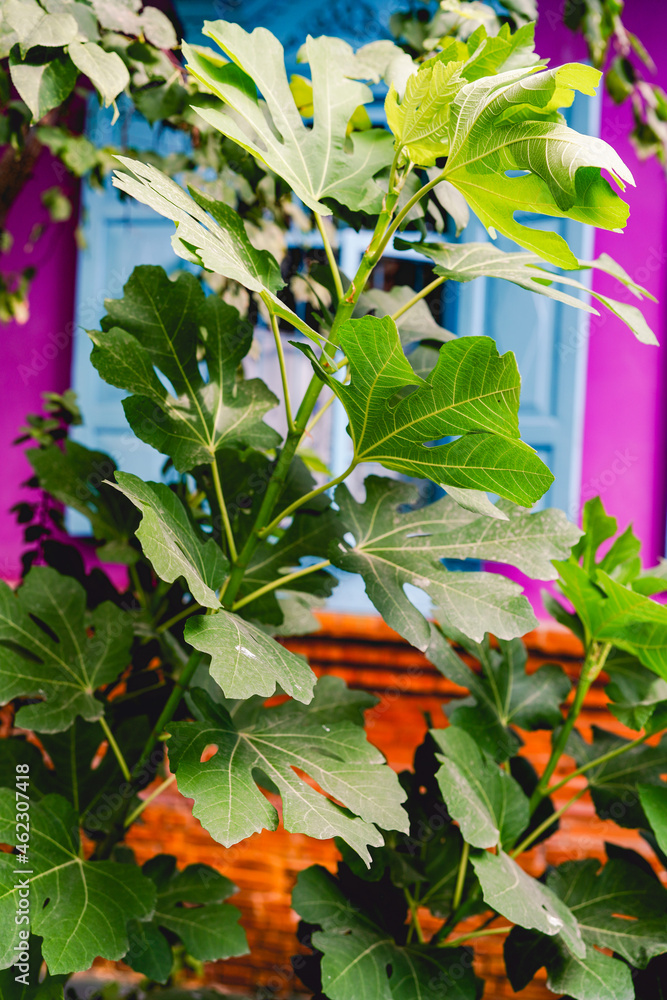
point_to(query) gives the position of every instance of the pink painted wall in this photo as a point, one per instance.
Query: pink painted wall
(36, 357)
(625, 427)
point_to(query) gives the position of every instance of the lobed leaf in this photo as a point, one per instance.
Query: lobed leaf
(49, 654)
(323, 741)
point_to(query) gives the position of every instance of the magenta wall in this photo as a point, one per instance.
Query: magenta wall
(626, 420)
(36, 357)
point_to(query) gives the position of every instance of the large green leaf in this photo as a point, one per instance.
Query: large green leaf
(508, 889)
(393, 547)
(614, 784)
(319, 163)
(208, 929)
(467, 261)
(106, 70)
(619, 907)
(80, 908)
(76, 476)
(162, 324)
(324, 740)
(245, 661)
(484, 799)
(43, 86)
(48, 653)
(595, 976)
(509, 150)
(502, 695)
(171, 541)
(208, 233)
(361, 961)
(472, 393)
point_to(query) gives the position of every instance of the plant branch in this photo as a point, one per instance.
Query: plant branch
(461, 876)
(223, 510)
(545, 824)
(281, 362)
(594, 763)
(417, 297)
(414, 917)
(118, 754)
(593, 664)
(328, 249)
(280, 582)
(149, 798)
(407, 208)
(305, 498)
(455, 942)
(195, 606)
(320, 413)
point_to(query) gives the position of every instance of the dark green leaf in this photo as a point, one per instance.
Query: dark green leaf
(485, 800)
(80, 908)
(48, 653)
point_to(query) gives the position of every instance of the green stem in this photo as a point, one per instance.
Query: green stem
(414, 918)
(223, 510)
(545, 824)
(177, 618)
(304, 499)
(455, 942)
(122, 763)
(593, 664)
(320, 413)
(417, 297)
(138, 589)
(328, 249)
(407, 208)
(275, 488)
(281, 362)
(461, 876)
(149, 798)
(280, 582)
(595, 763)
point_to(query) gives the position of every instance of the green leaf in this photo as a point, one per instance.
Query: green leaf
(508, 889)
(119, 15)
(217, 241)
(44, 86)
(52, 31)
(472, 392)
(505, 124)
(360, 961)
(637, 697)
(598, 527)
(171, 542)
(106, 70)
(614, 784)
(80, 908)
(654, 803)
(467, 261)
(420, 122)
(160, 324)
(393, 547)
(504, 695)
(158, 29)
(76, 476)
(49, 654)
(245, 661)
(208, 929)
(594, 976)
(485, 800)
(319, 163)
(619, 907)
(324, 740)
